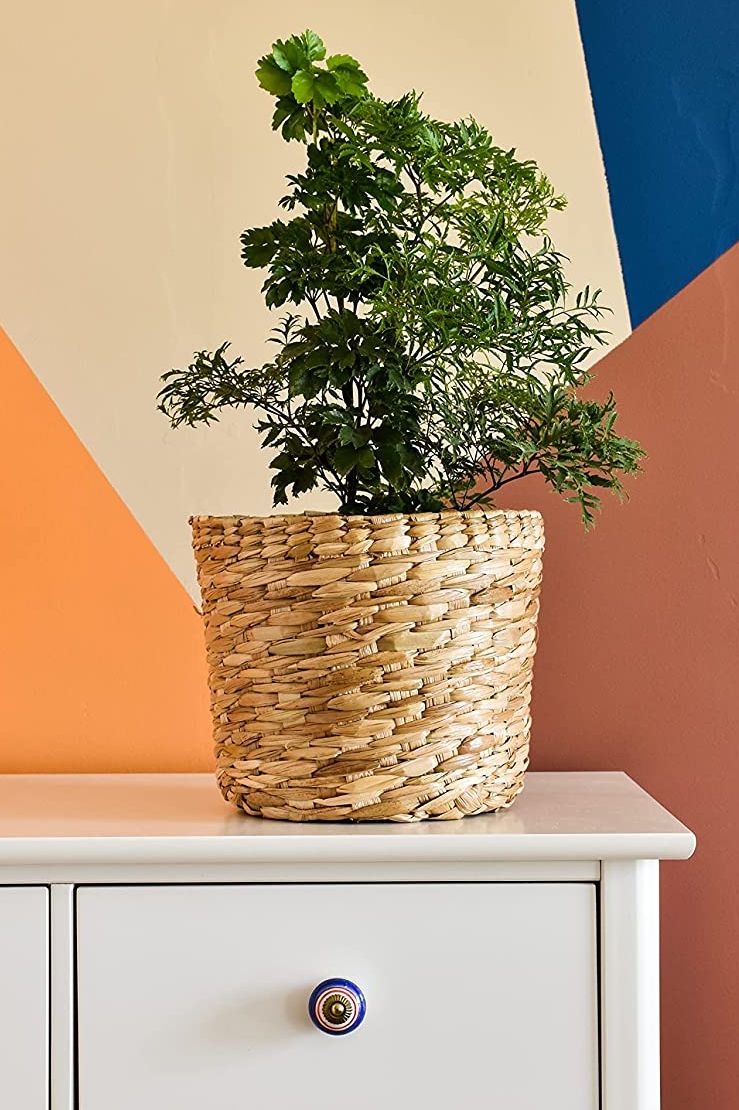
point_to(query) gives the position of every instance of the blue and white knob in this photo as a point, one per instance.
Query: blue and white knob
(337, 1006)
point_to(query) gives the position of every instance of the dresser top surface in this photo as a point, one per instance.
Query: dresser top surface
(178, 817)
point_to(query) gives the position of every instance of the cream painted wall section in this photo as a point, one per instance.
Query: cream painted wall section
(138, 147)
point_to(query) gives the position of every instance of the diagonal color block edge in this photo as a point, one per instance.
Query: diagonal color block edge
(123, 264)
(101, 647)
(665, 89)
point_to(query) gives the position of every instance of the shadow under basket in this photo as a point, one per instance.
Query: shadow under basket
(370, 668)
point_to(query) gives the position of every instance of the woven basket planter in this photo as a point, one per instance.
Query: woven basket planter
(370, 668)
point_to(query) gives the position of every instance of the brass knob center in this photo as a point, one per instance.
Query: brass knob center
(336, 1006)
(337, 1009)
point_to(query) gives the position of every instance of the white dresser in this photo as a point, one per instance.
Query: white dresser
(158, 951)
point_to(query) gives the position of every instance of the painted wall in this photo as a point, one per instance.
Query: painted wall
(665, 82)
(138, 148)
(638, 665)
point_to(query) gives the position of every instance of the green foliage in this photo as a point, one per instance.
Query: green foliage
(435, 352)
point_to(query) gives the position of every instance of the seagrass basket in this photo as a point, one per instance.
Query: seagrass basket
(370, 668)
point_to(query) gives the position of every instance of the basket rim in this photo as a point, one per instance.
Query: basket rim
(367, 518)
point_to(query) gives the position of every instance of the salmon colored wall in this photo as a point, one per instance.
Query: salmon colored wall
(638, 665)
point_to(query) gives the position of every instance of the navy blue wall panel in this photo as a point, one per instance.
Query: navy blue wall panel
(664, 75)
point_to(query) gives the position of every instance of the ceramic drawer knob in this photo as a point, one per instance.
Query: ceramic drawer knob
(336, 1006)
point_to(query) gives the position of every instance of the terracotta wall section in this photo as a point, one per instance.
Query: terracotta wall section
(638, 665)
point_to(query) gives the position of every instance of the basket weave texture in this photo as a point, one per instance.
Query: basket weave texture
(370, 668)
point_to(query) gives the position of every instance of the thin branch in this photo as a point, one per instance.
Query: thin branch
(515, 477)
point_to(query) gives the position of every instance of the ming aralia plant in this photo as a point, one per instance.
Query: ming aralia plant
(433, 352)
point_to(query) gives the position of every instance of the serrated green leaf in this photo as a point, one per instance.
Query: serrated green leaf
(282, 59)
(389, 459)
(290, 54)
(313, 44)
(304, 86)
(365, 458)
(387, 434)
(293, 124)
(360, 436)
(351, 84)
(326, 84)
(271, 77)
(342, 61)
(350, 79)
(258, 246)
(345, 458)
(281, 461)
(284, 108)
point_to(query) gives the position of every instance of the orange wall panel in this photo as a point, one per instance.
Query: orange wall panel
(101, 647)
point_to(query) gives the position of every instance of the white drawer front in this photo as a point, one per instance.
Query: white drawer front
(24, 968)
(477, 995)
